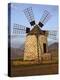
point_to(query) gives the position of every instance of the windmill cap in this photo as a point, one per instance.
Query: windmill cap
(37, 31)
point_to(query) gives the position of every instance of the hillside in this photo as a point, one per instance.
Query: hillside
(53, 49)
(16, 53)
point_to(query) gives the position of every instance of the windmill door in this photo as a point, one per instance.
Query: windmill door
(44, 47)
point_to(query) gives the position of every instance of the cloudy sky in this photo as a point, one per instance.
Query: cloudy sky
(18, 17)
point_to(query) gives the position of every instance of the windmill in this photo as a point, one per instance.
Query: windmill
(36, 39)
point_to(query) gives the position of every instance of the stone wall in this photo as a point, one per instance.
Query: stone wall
(30, 52)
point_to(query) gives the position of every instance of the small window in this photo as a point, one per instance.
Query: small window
(44, 47)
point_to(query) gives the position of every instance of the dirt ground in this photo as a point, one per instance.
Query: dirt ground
(35, 69)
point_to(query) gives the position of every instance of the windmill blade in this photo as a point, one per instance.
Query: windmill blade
(29, 14)
(45, 17)
(19, 29)
(48, 16)
(52, 35)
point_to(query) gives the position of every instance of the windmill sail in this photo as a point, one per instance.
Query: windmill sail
(45, 17)
(29, 14)
(53, 35)
(19, 29)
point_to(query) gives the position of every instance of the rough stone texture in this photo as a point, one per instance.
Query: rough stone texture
(46, 57)
(31, 51)
(42, 39)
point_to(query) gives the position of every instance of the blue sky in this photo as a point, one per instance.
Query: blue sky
(18, 17)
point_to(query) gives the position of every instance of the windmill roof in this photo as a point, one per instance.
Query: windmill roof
(37, 31)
